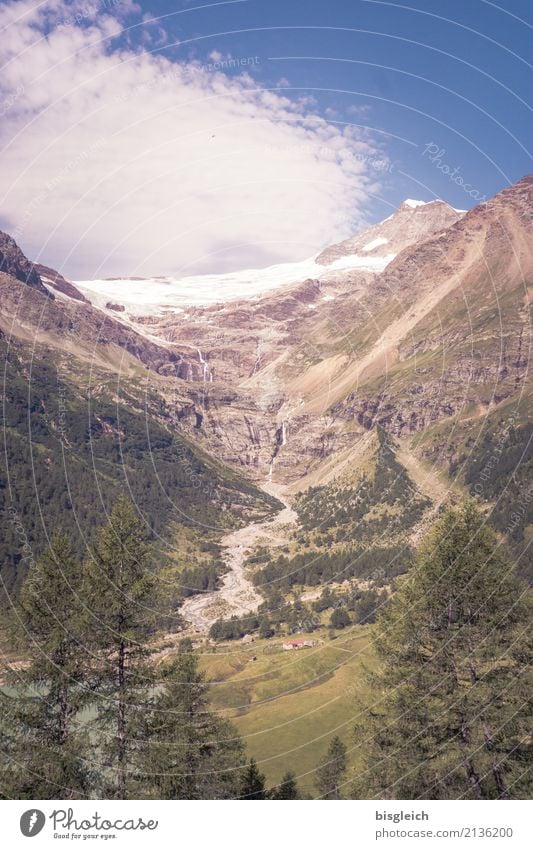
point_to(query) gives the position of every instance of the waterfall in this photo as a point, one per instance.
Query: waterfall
(281, 440)
(205, 364)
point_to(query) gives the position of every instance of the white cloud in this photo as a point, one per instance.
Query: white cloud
(118, 161)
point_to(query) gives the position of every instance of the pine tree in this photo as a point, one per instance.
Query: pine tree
(120, 587)
(253, 783)
(189, 751)
(340, 618)
(332, 770)
(450, 719)
(287, 788)
(43, 742)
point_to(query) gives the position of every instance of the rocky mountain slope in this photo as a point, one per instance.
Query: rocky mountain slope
(291, 379)
(413, 222)
(286, 386)
(14, 263)
(54, 280)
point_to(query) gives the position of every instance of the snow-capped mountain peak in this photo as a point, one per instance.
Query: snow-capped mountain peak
(412, 204)
(369, 251)
(413, 221)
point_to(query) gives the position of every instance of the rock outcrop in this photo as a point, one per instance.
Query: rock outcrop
(14, 263)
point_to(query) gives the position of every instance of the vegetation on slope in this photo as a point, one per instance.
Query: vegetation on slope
(498, 469)
(453, 717)
(68, 454)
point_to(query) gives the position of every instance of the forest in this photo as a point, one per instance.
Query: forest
(95, 710)
(65, 461)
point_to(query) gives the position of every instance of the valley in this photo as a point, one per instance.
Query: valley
(287, 453)
(236, 595)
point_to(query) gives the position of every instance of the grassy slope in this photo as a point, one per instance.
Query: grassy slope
(288, 705)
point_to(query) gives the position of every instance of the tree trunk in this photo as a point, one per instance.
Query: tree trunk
(496, 768)
(472, 776)
(121, 723)
(62, 723)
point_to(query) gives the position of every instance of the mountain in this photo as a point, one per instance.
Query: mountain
(414, 345)
(368, 252)
(428, 345)
(413, 222)
(14, 263)
(52, 278)
(433, 349)
(86, 416)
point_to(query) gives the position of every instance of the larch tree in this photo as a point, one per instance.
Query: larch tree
(120, 587)
(332, 771)
(45, 747)
(287, 788)
(252, 782)
(452, 692)
(189, 752)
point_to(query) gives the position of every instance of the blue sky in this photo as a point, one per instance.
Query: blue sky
(145, 138)
(453, 75)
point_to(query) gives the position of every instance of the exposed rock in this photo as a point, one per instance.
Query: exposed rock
(283, 384)
(14, 263)
(53, 278)
(115, 307)
(409, 225)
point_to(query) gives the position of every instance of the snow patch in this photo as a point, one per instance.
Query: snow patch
(375, 243)
(57, 293)
(414, 203)
(160, 296)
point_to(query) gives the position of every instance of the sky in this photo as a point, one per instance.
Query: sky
(157, 138)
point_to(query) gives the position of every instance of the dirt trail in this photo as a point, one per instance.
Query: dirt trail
(427, 480)
(429, 483)
(237, 595)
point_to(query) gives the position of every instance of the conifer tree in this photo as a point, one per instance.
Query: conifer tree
(120, 588)
(253, 783)
(189, 752)
(332, 770)
(452, 696)
(287, 788)
(44, 746)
